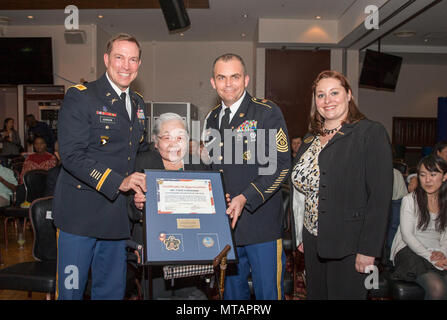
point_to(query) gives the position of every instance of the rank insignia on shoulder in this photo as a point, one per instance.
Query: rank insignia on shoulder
(139, 94)
(104, 140)
(80, 87)
(309, 139)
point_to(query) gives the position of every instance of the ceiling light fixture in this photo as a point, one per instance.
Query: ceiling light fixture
(30, 17)
(404, 34)
(318, 17)
(100, 16)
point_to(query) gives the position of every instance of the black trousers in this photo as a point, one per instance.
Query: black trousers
(331, 279)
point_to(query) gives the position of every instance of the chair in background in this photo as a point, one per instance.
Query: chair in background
(34, 182)
(39, 275)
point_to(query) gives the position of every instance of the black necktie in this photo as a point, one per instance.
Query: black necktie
(123, 96)
(225, 122)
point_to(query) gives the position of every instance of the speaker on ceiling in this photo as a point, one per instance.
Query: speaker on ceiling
(175, 14)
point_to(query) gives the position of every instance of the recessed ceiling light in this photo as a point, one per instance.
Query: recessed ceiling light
(30, 17)
(404, 34)
(318, 17)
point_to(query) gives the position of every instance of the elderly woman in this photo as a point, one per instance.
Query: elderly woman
(343, 176)
(171, 138)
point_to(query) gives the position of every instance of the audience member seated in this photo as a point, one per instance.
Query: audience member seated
(399, 191)
(39, 129)
(8, 184)
(53, 173)
(401, 166)
(41, 159)
(440, 149)
(10, 139)
(419, 248)
(295, 143)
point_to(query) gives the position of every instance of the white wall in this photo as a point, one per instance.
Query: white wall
(71, 61)
(180, 71)
(102, 37)
(422, 80)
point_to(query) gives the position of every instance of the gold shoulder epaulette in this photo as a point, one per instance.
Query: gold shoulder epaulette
(80, 87)
(309, 139)
(212, 109)
(139, 94)
(261, 102)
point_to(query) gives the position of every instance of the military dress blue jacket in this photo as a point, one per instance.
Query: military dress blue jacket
(262, 217)
(98, 145)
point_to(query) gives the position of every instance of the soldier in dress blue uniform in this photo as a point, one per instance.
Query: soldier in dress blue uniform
(255, 208)
(100, 129)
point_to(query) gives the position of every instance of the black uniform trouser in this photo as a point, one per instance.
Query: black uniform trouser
(331, 279)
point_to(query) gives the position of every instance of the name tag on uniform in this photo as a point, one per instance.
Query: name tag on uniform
(105, 119)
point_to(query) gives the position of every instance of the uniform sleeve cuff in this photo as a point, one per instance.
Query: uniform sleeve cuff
(254, 196)
(109, 184)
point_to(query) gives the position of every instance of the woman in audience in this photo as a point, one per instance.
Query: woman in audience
(419, 248)
(40, 159)
(440, 150)
(10, 139)
(343, 176)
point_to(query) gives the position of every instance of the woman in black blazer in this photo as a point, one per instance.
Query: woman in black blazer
(342, 177)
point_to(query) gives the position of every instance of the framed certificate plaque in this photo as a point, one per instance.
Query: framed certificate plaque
(185, 220)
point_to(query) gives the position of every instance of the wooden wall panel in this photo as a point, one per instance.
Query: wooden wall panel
(414, 132)
(288, 82)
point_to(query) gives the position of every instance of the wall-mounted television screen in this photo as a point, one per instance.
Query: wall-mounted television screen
(380, 70)
(26, 61)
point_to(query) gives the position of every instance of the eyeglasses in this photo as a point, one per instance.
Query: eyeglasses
(168, 138)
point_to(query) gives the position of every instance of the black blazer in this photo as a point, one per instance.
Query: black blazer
(356, 185)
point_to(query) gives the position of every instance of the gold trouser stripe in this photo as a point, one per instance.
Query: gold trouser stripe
(57, 264)
(104, 176)
(263, 200)
(278, 266)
